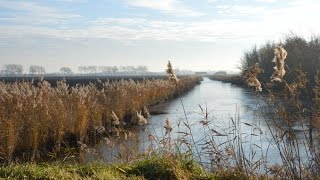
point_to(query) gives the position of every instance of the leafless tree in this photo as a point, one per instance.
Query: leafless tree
(12, 69)
(65, 70)
(37, 70)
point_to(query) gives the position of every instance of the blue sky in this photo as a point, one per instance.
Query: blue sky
(193, 34)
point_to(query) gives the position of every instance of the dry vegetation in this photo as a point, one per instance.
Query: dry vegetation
(292, 93)
(42, 119)
(38, 120)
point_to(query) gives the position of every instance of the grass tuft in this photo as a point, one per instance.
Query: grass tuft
(157, 167)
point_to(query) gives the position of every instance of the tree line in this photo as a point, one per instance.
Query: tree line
(303, 57)
(18, 69)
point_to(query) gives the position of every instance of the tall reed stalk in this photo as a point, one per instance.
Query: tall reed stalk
(39, 120)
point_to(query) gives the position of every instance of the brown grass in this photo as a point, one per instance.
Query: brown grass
(37, 118)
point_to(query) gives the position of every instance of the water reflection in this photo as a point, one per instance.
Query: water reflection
(225, 104)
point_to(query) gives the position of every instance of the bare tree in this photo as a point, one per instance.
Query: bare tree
(36, 70)
(142, 69)
(88, 69)
(105, 69)
(92, 69)
(65, 70)
(82, 69)
(114, 69)
(127, 69)
(12, 69)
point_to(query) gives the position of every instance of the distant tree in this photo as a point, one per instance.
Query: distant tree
(82, 69)
(142, 69)
(65, 70)
(105, 69)
(220, 73)
(88, 69)
(12, 69)
(34, 69)
(114, 69)
(122, 68)
(92, 69)
(130, 69)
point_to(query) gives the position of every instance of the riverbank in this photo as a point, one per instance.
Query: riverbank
(166, 167)
(155, 167)
(42, 122)
(202, 140)
(233, 79)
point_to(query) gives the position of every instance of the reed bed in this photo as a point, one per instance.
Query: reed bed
(39, 121)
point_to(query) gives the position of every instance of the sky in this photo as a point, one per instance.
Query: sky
(198, 35)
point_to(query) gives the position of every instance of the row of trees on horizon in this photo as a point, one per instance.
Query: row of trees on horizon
(17, 69)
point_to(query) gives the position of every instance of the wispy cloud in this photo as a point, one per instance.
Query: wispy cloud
(174, 7)
(241, 10)
(272, 23)
(144, 29)
(33, 13)
(267, 1)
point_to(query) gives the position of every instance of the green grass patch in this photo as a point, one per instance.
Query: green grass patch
(60, 171)
(157, 167)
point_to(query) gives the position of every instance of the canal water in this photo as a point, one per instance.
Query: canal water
(213, 111)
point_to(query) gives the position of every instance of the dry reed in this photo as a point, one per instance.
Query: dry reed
(250, 77)
(36, 119)
(280, 54)
(172, 76)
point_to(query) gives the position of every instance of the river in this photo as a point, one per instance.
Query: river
(226, 105)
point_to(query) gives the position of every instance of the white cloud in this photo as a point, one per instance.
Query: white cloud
(267, 1)
(241, 10)
(296, 16)
(272, 24)
(143, 29)
(32, 13)
(167, 6)
(73, 1)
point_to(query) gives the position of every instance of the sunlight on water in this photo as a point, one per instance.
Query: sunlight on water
(223, 102)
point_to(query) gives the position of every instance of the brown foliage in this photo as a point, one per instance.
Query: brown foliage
(37, 118)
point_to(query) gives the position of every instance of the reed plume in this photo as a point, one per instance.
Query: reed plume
(280, 54)
(141, 119)
(145, 112)
(167, 126)
(172, 76)
(114, 119)
(250, 77)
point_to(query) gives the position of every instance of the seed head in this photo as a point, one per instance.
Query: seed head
(280, 54)
(172, 77)
(167, 126)
(250, 77)
(141, 119)
(114, 119)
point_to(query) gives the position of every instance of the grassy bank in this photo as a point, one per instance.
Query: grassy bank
(39, 120)
(156, 167)
(233, 79)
